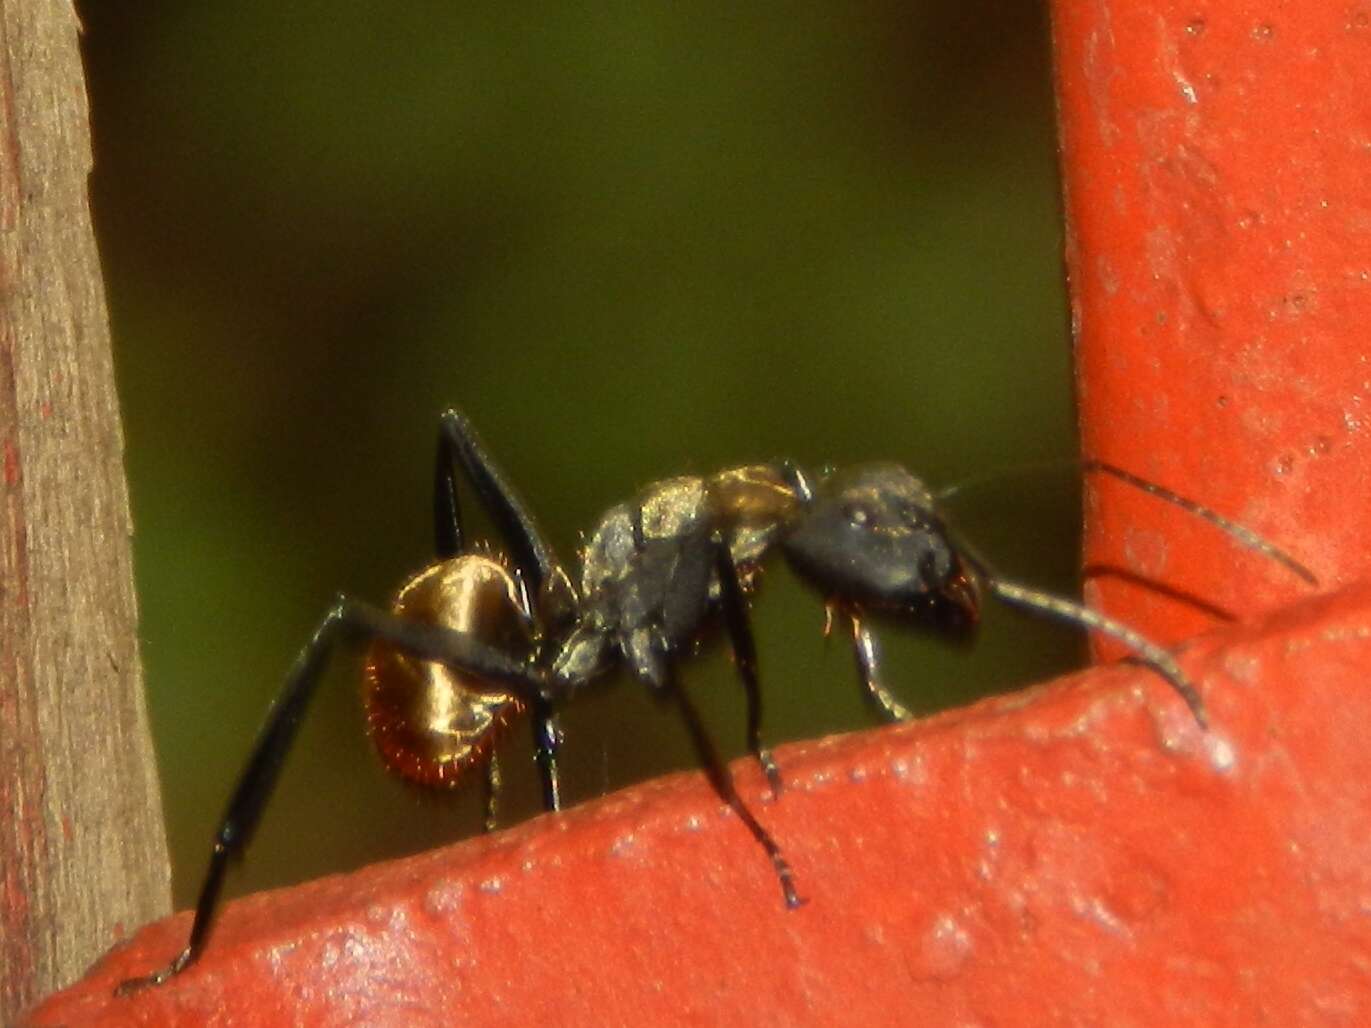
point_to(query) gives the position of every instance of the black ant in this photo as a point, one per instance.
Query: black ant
(472, 644)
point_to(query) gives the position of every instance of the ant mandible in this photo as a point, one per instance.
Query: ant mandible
(471, 645)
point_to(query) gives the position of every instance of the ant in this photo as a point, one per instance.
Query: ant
(474, 642)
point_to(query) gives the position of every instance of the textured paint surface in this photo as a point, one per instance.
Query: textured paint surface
(1081, 853)
(1217, 167)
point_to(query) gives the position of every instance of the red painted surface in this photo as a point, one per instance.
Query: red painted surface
(1217, 166)
(1081, 853)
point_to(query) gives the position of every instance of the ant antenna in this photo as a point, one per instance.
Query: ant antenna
(1036, 601)
(1241, 533)
(1244, 535)
(984, 478)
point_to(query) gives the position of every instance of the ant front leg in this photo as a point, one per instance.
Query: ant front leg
(744, 658)
(868, 654)
(347, 621)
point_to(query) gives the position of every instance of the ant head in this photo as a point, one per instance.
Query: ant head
(872, 537)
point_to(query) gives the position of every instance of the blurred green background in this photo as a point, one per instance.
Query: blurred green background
(631, 242)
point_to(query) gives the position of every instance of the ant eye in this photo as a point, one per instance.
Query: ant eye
(856, 516)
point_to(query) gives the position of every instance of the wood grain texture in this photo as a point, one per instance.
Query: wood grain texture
(82, 848)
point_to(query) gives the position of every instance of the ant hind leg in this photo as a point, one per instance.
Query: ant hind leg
(459, 446)
(346, 621)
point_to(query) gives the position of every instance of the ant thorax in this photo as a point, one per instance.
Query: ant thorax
(646, 578)
(650, 573)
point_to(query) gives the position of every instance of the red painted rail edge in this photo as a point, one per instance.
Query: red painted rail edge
(1216, 157)
(1080, 853)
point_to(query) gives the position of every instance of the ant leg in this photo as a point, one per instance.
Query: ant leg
(722, 781)
(868, 656)
(346, 621)
(745, 659)
(546, 738)
(458, 445)
(1159, 660)
(493, 784)
(448, 537)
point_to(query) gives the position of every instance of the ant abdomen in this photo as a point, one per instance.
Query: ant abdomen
(432, 723)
